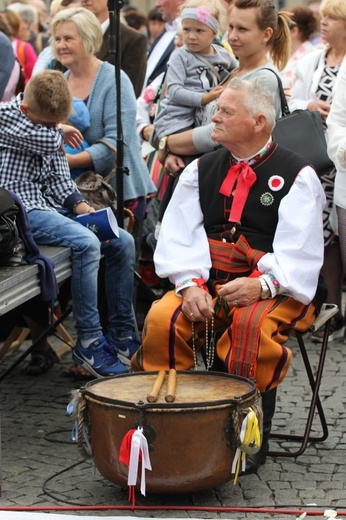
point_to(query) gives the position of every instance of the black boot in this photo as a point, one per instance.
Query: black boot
(253, 462)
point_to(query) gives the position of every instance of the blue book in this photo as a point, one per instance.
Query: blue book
(103, 223)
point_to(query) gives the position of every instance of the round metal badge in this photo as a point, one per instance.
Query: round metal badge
(266, 199)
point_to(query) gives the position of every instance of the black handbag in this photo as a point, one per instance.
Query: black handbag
(12, 250)
(302, 132)
(160, 95)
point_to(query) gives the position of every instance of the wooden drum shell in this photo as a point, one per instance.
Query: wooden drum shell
(191, 440)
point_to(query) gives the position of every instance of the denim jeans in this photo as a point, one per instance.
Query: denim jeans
(52, 228)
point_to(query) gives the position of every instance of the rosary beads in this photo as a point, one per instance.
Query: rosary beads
(209, 344)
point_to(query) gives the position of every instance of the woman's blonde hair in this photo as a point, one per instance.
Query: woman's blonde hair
(335, 8)
(87, 25)
(217, 8)
(279, 45)
(55, 7)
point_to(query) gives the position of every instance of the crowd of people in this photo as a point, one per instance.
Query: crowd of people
(245, 232)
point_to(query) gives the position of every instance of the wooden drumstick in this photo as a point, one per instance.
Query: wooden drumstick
(152, 397)
(171, 384)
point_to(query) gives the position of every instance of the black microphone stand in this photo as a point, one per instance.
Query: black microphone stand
(114, 7)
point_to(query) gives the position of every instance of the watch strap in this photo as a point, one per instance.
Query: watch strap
(166, 145)
(265, 290)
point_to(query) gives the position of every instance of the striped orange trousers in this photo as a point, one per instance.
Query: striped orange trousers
(167, 339)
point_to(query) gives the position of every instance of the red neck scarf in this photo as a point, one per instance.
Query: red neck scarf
(245, 177)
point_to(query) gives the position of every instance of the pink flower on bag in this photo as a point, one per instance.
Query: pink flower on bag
(149, 95)
(153, 110)
(203, 13)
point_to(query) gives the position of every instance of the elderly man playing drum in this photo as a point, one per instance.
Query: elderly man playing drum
(242, 241)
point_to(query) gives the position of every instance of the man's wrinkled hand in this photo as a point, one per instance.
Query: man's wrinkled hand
(197, 304)
(173, 165)
(241, 292)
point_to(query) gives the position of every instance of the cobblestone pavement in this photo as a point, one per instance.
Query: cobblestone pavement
(41, 466)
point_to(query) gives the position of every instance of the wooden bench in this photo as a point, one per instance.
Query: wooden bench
(19, 285)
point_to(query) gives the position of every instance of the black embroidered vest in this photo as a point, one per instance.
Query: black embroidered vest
(260, 215)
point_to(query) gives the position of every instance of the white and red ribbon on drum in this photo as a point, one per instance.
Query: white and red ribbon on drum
(134, 449)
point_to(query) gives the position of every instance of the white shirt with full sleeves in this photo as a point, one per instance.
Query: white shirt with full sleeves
(336, 137)
(182, 251)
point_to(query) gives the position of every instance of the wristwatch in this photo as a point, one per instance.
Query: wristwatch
(265, 291)
(163, 144)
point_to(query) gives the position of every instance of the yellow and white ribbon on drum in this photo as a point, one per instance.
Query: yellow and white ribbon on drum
(250, 442)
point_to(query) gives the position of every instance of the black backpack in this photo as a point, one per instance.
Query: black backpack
(12, 248)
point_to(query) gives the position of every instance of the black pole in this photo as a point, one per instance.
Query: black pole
(114, 7)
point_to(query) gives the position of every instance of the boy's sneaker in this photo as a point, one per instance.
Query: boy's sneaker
(336, 331)
(125, 348)
(98, 358)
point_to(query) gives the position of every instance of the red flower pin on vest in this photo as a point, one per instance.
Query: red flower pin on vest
(276, 183)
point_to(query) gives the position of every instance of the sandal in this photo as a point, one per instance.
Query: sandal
(41, 362)
(79, 372)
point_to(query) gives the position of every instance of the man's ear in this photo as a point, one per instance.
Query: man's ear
(260, 122)
(24, 108)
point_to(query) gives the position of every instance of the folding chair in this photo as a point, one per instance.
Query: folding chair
(20, 334)
(324, 318)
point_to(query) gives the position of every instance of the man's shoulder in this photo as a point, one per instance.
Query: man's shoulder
(131, 35)
(287, 157)
(219, 155)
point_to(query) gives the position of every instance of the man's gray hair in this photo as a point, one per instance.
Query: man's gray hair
(258, 98)
(25, 12)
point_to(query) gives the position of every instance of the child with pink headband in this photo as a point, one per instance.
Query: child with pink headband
(195, 70)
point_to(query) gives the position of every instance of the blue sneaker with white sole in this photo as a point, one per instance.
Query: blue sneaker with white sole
(98, 358)
(124, 348)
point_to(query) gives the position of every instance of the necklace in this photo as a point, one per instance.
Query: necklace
(334, 60)
(209, 344)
